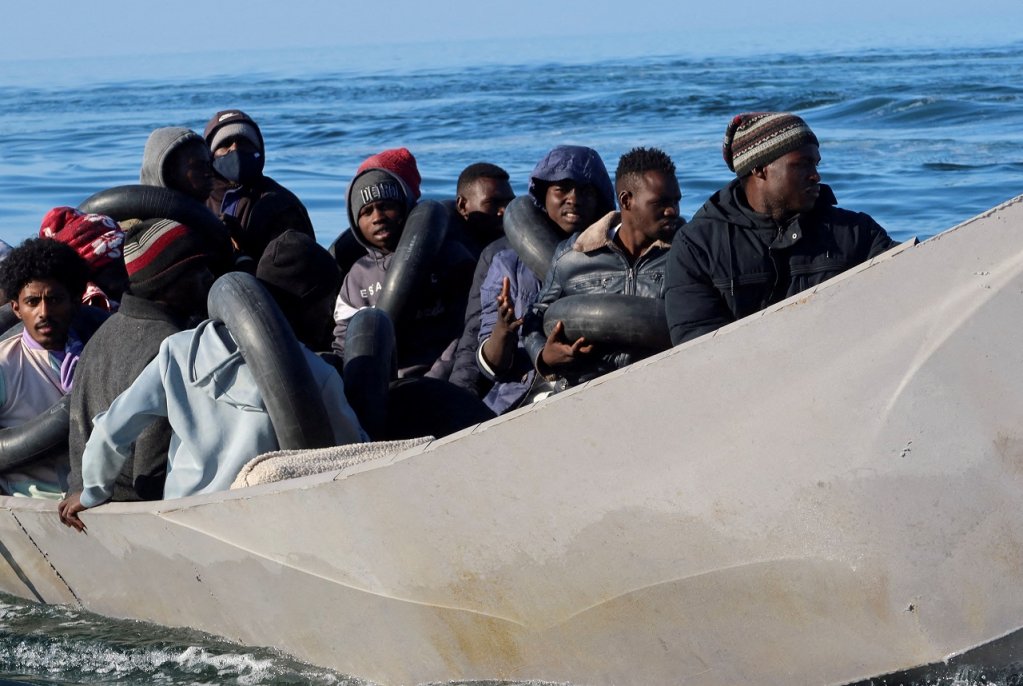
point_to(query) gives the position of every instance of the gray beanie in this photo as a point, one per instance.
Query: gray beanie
(370, 186)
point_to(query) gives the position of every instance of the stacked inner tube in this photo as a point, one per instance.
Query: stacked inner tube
(531, 234)
(277, 363)
(425, 231)
(43, 437)
(370, 365)
(615, 320)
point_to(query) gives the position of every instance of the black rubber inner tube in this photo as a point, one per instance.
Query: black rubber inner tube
(621, 321)
(370, 365)
(136, 201)
(40, 438)
(276, 361)
(424, 233)
(531, 234)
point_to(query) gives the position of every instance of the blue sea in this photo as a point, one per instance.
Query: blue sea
(920, 138)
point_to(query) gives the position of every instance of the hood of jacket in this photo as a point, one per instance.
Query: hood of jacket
(353, 222)
(160, 144)
(216, 367)
(729, 205)
(578, 163)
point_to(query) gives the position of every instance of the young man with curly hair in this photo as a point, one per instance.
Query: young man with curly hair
(44, 280)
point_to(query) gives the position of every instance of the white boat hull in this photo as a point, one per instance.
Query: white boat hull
(821, 493)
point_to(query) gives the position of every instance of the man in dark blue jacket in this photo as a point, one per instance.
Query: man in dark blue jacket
(772, 232)
(571, 188)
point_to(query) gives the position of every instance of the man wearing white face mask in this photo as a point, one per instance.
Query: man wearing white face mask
(254, 207)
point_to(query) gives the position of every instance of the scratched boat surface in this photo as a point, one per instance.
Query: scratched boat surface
(821, 493)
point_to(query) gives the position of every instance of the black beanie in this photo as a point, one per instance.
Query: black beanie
(296, 265)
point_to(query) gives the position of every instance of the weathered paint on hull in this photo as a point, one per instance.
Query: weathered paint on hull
(822, 493)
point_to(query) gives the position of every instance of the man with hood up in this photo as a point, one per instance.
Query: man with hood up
(255, 208)
(380, 198)
(571, 185)
(772, 232)
(177, 158)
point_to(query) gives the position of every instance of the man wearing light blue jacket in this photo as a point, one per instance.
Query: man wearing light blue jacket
(200, 382)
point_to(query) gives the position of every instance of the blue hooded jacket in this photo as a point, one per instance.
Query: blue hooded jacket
(577, 163)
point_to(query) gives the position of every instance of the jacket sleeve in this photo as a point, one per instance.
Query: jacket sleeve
(343, 313)
(532, 326)
(465, 372)
(880, 241)
(115, 430)
(693, 305)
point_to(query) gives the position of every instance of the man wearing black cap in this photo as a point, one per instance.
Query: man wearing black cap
(255, 207)
(772, 232)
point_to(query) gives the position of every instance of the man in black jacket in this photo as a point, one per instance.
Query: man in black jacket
(772, 232)
(622, 253)
(254, 207)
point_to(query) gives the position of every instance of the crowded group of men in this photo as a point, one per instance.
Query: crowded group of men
(163, 403)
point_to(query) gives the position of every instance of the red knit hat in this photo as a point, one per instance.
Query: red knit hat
(97, 238)
(399, 161)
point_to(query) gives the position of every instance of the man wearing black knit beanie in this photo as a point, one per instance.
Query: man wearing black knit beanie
(772, 232)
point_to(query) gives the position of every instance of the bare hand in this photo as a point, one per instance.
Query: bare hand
(68, 509)
(499, 349)
(559, 351)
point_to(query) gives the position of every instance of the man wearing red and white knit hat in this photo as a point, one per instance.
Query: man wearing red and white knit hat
(98, 240)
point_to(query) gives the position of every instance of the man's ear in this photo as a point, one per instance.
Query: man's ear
(625, 200)
(460, 204)
(16, 308)
(759, 172)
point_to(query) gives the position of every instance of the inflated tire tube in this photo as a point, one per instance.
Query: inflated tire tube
(136, 201)
(531, 234)
(147, 202)
(424, 233)
(275, 359)
(39, 438)
(621, 321)
(370, 365)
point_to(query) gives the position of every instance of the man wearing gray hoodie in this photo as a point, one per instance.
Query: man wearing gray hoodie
(178, 159)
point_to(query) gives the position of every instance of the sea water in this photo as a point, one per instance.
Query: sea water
(921, 139)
